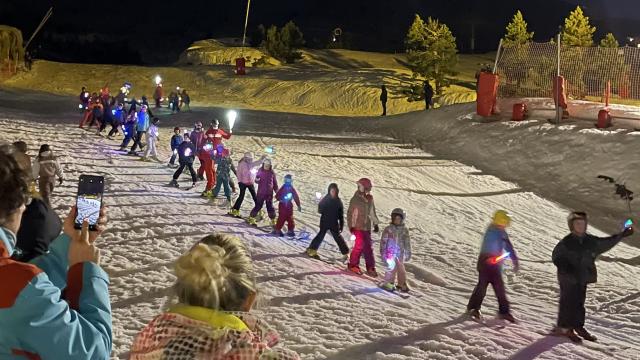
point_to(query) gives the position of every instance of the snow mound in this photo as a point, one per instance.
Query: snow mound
(214, 52)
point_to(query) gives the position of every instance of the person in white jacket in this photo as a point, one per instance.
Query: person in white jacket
(45, 170)
(246, 177)
(152, 141)
(395, 249)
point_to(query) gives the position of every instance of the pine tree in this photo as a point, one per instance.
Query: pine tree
(577, 29)
(609, 41)
(284, 44)
(431, 51)
(517, 33)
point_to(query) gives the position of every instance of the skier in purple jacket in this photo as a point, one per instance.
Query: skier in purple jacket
(267, 186)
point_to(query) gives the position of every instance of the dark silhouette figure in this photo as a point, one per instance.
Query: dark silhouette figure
(383, 100)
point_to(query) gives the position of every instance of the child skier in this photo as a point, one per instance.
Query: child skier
(45, 169)
(186, 156)
(119, 117)
(286, 196)
(142, 127)
(267, 185)
(129, 130)
(152, 141)
(246, 179)
(225, 167)
(395, 249)
(331, 219)
(176, 140)
(361, 217)
(574, 257)
(496, 247)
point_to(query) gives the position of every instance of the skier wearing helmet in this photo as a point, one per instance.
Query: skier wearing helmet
(575, 256)
(198, 140)
(496, 248)
(267, 186)
(361, 218)
(395, 249)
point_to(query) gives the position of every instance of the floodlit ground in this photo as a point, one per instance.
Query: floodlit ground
(322, 312)
(325, 82)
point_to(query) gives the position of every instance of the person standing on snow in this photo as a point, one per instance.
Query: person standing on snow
(176, 140)
(223, 175)
(331, 219)
(186, 156)
(428, 95)
(246, 180)
(157, 95)
(361, 217)
(286, 196)
(152, 141)
(186, 99)
(496, 247)
(45, 169)
(575, 257)
(141, 129)
(117, 120)
(267, 186)
(129, 130)
(84, 98)
(383, 99)
(395, 250)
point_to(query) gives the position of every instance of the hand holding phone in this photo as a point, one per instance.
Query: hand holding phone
(89, 201)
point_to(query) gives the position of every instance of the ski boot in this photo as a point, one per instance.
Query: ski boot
(132, 153)
(235, 213)
(568, 333)
(475, 314)
(507, 317)
(174, 183)
(372, 272)
(312, 254)
(144, 158)
(252, 221)
(355, 269)
(388, 286)
(274, 222)
(583, 333)
(403, 288)
(207, 194)
(291, 234)
(278, 233)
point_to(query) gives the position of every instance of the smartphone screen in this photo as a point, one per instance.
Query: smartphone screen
(89, 200)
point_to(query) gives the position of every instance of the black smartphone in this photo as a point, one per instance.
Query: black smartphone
(89, 200)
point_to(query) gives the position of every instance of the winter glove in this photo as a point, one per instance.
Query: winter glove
(376, 229)
(60, 181)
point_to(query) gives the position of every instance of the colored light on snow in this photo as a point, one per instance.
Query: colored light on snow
(231, 116)
(187, 152)
(158, 79)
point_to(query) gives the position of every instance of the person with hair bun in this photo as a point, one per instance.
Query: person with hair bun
(215, 291)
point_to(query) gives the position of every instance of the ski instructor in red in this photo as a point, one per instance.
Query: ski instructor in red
(361, 217)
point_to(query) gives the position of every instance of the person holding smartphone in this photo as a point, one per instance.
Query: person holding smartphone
(57, 306)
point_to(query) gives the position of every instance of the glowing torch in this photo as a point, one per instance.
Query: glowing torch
(497, 259)
(269, 150)
(158, 80)
(231, 117)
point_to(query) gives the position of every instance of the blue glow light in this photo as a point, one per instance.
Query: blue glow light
(628, 223)
(288, 196)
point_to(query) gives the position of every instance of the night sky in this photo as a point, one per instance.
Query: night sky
(155, 32)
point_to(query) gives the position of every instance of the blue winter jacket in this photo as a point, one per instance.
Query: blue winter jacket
(51, 311)
(176, 140)
(143, 121)
(495, 243)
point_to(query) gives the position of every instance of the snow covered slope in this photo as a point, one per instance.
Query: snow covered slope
(320, 311)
